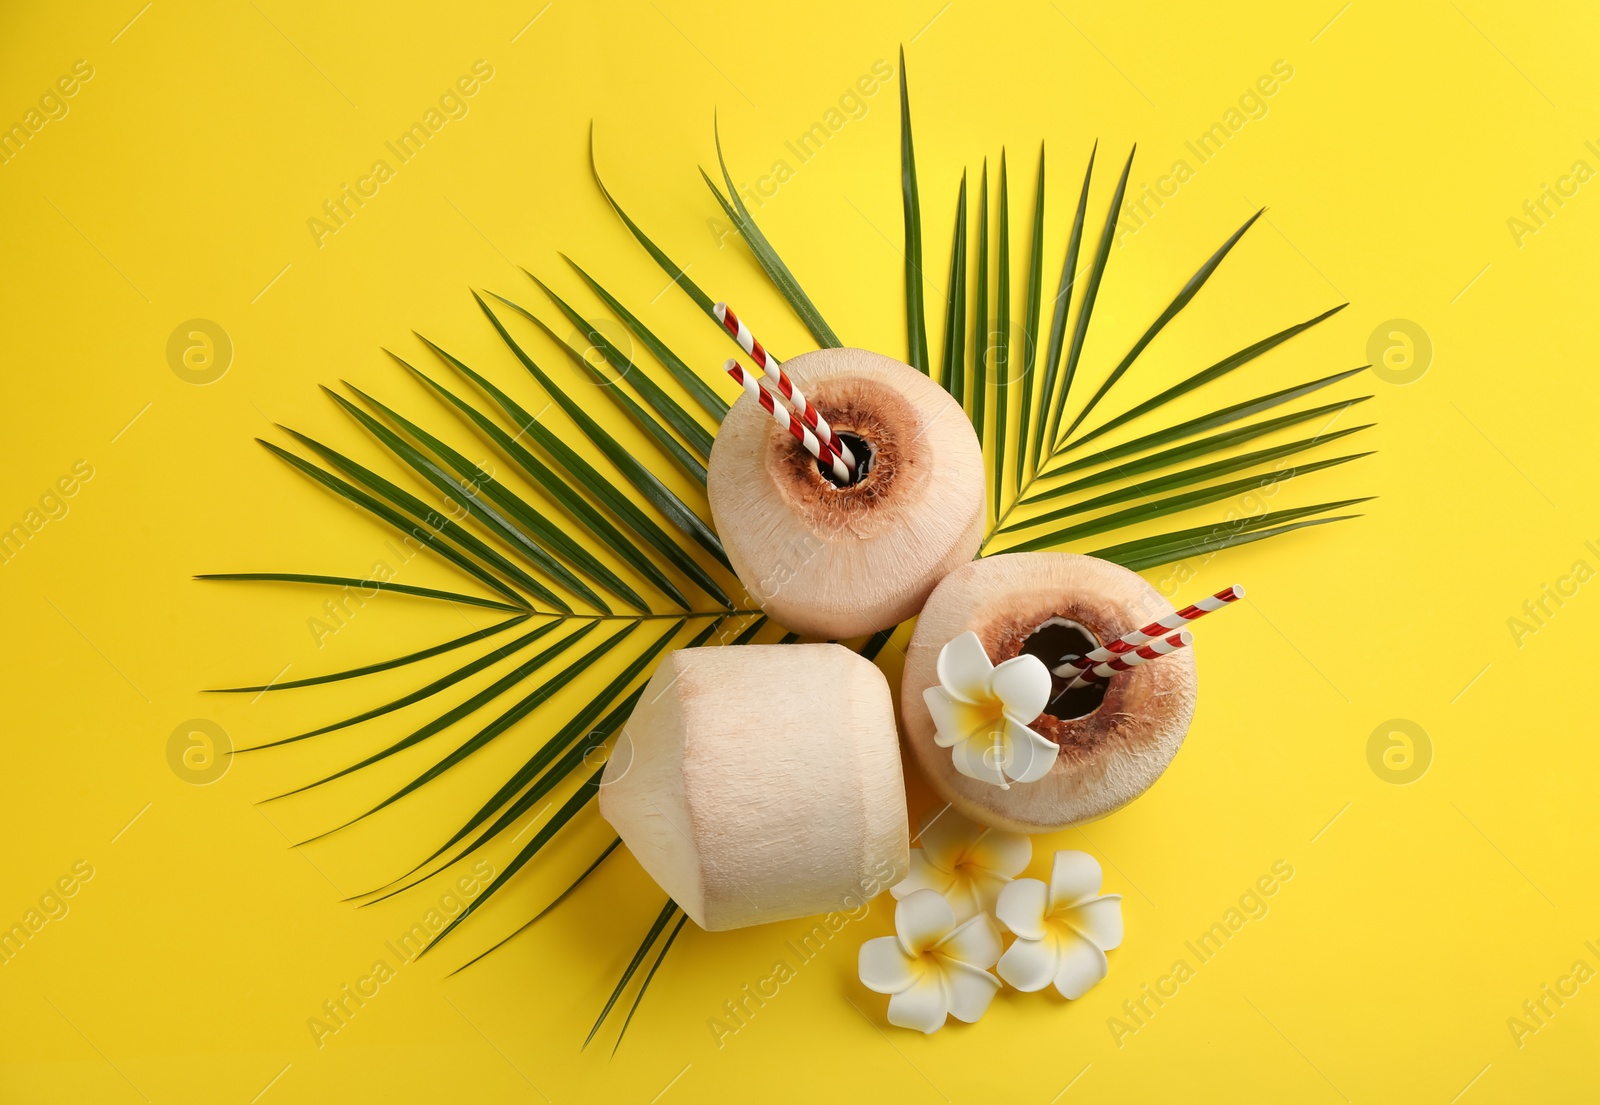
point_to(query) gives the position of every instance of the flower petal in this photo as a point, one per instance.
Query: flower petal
(1030, 965)
(1001, 852)
(964, 667)
(1032, 756)
(985, 887)
(966, 897)
(981, 761)
(923, 874)
(885, 967)
(922, 1006)
(969, 991)
(1074, 877)
(1021, 908)
(955, 720)
(1023, 684)
(1080, 966)
(1098, 920)
(975, 942)
(922, 919)
(946, 836)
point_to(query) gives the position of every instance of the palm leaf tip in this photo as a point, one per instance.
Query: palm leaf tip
(633, 966)
(916, 321)
(773, 265)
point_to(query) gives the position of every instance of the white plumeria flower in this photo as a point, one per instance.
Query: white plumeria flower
(934, 966)
(968, 863)
(982, 711)
(1063, 930)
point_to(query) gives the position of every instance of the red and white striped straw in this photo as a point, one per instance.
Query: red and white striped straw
(765, 361)
(791, 394)
(1130, 641)
(788, 421)
(1127, 661)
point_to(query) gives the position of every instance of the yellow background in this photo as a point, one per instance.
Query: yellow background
(1419, 918)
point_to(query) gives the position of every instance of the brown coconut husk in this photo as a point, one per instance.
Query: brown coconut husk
(837, 562)
(1108, 757)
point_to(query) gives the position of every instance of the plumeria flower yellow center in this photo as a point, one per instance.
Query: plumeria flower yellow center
(934, 966)
(981, 712)
(968, 863)
(1063, 929)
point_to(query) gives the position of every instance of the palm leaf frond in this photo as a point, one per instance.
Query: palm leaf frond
(669, 409)
(662, 920)
(916, 322)
(597, 485)
(980, 330)
(1002, 342)
(1044, 427)
(952, 373)
(677, 273)
(1030, 326)
(360, 584)
(768, 258)
(624, 402)
(647, 482)
(712, 403)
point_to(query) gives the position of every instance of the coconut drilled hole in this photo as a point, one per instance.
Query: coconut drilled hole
(864, 452)
(1053, 641)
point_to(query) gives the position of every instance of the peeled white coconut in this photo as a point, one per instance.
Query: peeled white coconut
(1107, 757)
(759, 783)
(837, 562)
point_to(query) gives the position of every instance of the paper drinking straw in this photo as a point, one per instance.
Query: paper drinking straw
(1130, 641)
(791, 394)
(1130, 660)
(781, 415)
(765, 361)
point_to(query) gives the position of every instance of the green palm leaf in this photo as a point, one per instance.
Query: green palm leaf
(659, 495)
(1205, 376)
(1200, 424)
(1179, 302)
(1044, 427)
(668, 444)
(1030, 326)
(592, 481)
(521, 709)
(1179, 453)
(1187, 476)
(645, 985)
(487, 497)
(1173, 504)
(351, 581)
(662, 920)
(580, 725)
(1002, 341)
(916, 323)
(385, 665)
(438, 530)
(678, 274)
(557, 488)
(710, 401)
(586, 792)
(437, 686)
(1181, 544)
(768, 258)
(663, 404)
(1091, 290)
(557, 900)
(980, 329)
(952, 374)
